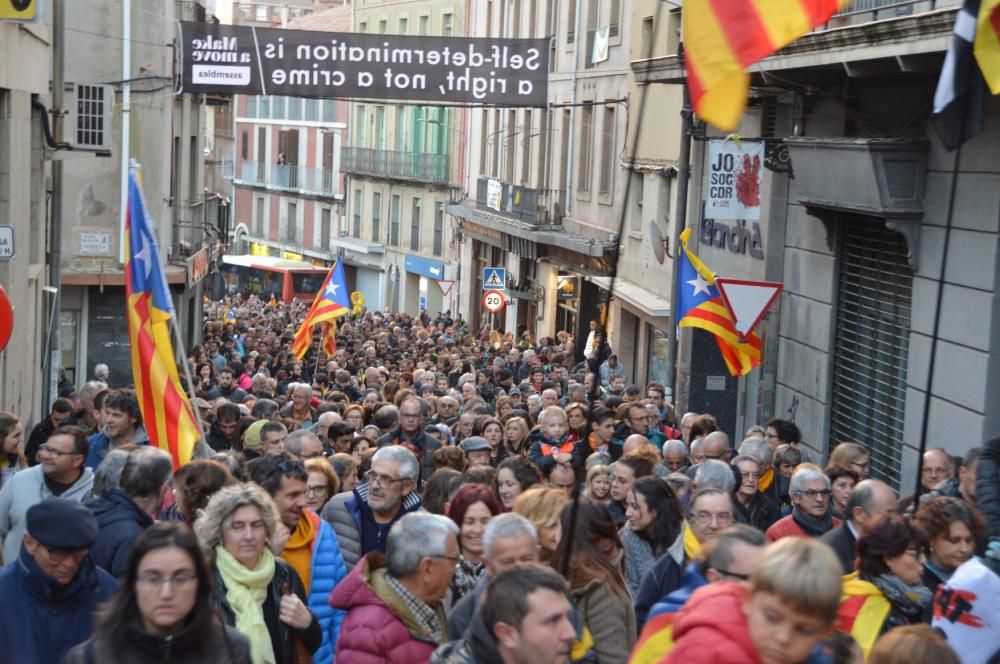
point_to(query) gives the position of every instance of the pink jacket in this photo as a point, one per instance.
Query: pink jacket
(378, 627)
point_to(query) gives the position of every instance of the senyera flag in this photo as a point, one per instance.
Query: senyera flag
(331, 302)
(166, 411)
(724, 37)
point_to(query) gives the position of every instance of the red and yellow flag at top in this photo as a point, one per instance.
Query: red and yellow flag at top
(724, 37)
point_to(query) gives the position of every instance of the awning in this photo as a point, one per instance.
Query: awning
(175, 274)
(644, 300)
(357, 244)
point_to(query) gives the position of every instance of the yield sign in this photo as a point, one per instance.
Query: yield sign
(747, 301)
(446, 285)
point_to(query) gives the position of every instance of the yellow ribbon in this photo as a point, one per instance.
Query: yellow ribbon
(358, 300)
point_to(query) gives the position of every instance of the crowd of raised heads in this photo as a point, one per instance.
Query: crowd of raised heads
(427, 492)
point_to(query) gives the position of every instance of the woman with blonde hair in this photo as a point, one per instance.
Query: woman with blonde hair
(516, 433)
(597, 488)
(255, 591)
(542, 507)
(853, 456)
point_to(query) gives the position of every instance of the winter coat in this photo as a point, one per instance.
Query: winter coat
(227, 647)
(460, 616)
(639, 558)
(25, 489)
(478, 647)
(216, 439)
(844, 544)
(285, 579)
(120, 521)
(422, 446)
(786, 527)
(542, 451)
(379, 628)
(343, 512)
(712, 628)
(762, 512)
(43, 620)
(100, 443)
(610, 617)
(327, 570)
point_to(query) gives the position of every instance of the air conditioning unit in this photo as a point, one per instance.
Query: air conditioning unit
(89, 107)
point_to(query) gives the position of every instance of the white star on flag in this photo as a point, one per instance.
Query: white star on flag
(143, 255)
(700, 285)
(331, 289)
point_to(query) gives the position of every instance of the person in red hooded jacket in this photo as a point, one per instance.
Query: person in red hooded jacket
(779, 616)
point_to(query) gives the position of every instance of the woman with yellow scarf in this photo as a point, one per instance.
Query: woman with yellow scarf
(256, 592)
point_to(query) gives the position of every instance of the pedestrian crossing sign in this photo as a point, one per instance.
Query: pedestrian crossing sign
(494, 278)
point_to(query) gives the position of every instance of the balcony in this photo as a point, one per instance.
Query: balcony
(416, 166)
(531, 206)
(301, 179)
(866, 11)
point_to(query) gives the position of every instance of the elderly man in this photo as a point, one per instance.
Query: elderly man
(299, 410)
(123, 513)
(509, 540)
(869, 500)
(477, 451)
(394, 601)
(447, 410)
(410, 434)
(709, 513)
(323, 423)
(562, 476)
(87, 418)
(304, 541)
(715, 474)
(362, 518)
(675, 455)
(809, 491)
(51, 589)
(526, 617)
(304, 445)
(60, 473)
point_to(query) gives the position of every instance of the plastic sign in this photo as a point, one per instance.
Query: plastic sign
(747, 301)
(6, 243)
(494, 278)
(493, 301)
(18, 10)
(6, 319)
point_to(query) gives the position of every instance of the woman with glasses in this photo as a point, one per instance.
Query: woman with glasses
(653, 525)
(887, 590)
(757, 509)
(255, 592)
(809, 490)
(471, 509)
(163, 610)
(852, 456)
(322, 484)
(12, 459)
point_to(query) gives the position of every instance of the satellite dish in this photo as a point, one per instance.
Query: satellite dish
(657, 239)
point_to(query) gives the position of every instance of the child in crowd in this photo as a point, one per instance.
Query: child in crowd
(550, 443)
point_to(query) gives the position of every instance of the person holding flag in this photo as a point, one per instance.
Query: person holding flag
(332, 301)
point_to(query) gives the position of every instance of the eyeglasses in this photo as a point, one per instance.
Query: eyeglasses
(735, 575)
(705, 518)
(750, 476)
(382, 480)
(317, 490)
(48, 449)
(455, 559)
(156, 581)
(58, 556)
(813, 494)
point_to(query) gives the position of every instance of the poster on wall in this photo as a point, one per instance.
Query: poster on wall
(232, 59)
(733, 176)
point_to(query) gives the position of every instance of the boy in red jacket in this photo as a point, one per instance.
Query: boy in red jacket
(786, 608)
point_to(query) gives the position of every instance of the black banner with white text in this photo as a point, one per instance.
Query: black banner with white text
(228, 59)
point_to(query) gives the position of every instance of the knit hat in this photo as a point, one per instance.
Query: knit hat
(251, 438)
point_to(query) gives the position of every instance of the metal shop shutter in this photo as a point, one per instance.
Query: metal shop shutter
(872, 341)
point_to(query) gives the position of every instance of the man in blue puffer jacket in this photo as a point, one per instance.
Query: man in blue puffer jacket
(306, 542)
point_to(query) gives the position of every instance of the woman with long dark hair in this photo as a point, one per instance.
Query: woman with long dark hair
(12, 459)
(653, 523)
(597, 585)
(163, 610)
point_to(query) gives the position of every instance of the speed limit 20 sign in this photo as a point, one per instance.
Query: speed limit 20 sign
(493, 301)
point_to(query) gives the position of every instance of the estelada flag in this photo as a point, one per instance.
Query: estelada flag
(166, 411)
(724, 37)
(331, 302)
(699, 304)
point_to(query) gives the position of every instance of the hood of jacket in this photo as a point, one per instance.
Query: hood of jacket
(714, 618)
(115, 507)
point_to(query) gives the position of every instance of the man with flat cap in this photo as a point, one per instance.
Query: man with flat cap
(49, 594)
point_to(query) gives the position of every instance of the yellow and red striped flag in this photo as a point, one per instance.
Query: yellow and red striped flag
(329, 343)
(166, 411)
(987, 44)
(724, 37)
(330, 303)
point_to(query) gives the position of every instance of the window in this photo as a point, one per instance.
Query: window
(394, 221)
(608, 160)
(635, 213)
(376, 217)
(425, 25)
(645, 38)
(514, 29)
(263, 108)
(585, 160)
(510, 140)
(400, 128)
(615, 18)
(544, 146)
(312, 110)
(295, 108)
(245, 144)
(383, 26)
(483, 142)
(438, 228)
(525, 139)
(358, 204)
(571, 21)
(404, 25)
(329, 110)
(446, 24)
(363, 27)
(379, 136)
(251, 111)
(258, 226)
(415, 226)
(324, 229)
(260, 12)
(360, 117)
(291, 223)
(278, 108)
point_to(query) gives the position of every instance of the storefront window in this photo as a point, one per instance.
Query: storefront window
(656, 359)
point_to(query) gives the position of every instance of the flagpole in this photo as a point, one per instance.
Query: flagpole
(190, 380)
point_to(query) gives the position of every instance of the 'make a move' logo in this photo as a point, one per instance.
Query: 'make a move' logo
(217, 60)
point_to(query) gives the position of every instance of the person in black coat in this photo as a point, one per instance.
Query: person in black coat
(869, 500)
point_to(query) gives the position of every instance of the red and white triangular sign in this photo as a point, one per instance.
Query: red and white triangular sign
(446, 285)
(747, 301)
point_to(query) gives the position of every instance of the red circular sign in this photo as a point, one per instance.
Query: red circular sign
(493, 301)
(6, 319)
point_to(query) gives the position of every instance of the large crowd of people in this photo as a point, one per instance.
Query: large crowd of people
(429, 493)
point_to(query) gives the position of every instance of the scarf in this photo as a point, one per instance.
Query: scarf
(811, 525)
(298, 550)
(246, 591)
(766, 480)
(692, 547)
(912, 601)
